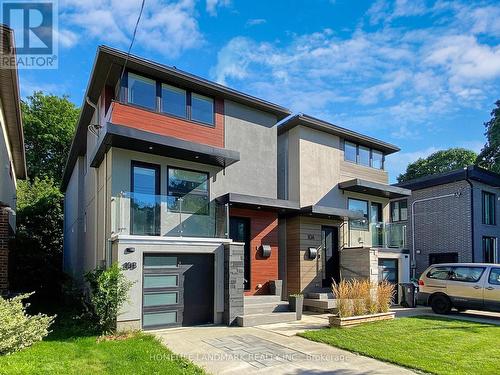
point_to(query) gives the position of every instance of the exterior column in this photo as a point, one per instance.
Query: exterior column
(4, 251)
(233, 282)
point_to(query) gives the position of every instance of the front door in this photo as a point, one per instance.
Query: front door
(388, 271)
(330, 244)
(239, 231)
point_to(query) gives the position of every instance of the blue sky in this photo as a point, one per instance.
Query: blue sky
(421, 74)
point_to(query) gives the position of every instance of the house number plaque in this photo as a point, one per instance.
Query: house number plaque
(129, 266)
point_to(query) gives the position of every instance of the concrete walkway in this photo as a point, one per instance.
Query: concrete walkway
(271, 349)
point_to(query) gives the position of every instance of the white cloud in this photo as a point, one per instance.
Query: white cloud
(255, 22)
(166, 27)
(66, 38)
(212, 5)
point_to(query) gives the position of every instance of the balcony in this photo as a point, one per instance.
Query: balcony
(384, 235)
(191, 215)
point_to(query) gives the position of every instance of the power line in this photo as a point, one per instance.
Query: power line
(133, 39)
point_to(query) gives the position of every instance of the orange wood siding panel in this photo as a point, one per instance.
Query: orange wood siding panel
(263, 230)
(142, 119)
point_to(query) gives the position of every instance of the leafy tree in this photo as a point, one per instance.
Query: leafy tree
(439, 162)
(49, 124)
(489, 156)
(36, 262)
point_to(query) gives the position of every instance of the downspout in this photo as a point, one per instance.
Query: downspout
(413, 253)
(471, 211)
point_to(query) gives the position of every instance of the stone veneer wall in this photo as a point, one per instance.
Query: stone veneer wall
(233, 282)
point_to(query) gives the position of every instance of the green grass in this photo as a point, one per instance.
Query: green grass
(70, 350)
(430, 344)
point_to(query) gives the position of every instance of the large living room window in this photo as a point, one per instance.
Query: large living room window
(141, 91)
(488, 200)
(360, 206)
(188, 191)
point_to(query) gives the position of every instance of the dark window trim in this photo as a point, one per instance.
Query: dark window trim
(495, 249)
(483, 208)
(367, 229)
(160, 97)
(157, 168)
(370, 149)
(169, 167)
(399, 210)
(158, 101)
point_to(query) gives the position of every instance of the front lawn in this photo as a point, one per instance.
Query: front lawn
(70, 350)
(430, 344)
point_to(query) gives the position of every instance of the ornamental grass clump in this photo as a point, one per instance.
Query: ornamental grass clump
(361, 297)
(18, 330)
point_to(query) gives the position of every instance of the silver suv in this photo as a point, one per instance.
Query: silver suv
(460, 285)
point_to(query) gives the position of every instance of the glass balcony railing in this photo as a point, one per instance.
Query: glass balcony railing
(378, 235)
(191, 215)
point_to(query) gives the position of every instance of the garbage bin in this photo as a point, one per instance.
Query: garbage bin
(409, 297)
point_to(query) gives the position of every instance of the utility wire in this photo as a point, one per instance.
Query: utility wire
(133, 39)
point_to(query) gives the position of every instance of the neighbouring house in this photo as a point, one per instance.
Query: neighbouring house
(12, 157)
(180, 181)
(343, 229)
(451, 217)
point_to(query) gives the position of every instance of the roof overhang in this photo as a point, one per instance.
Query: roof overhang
(256, 202)
(373, 188)
(317, 124)
(11, 105)
(151, 143)
(330, 212)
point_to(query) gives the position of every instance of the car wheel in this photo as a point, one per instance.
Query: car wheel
(441, 305)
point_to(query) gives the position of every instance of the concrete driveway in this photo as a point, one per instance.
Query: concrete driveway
(271, 349)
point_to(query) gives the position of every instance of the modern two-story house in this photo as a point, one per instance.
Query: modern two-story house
(198, 192)
(451, 217)
(12, 157)
(343, 228)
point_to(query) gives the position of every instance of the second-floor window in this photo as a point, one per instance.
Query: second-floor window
(188, 191)
(489, 249)
(488, 200)
(360, 206)
(202, 109)
(173, 101)
(399, 211)
(141, 91)
(363, 155)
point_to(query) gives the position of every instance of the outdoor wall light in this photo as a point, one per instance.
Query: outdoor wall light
(129, 250)
(312, 253)
(265, 250)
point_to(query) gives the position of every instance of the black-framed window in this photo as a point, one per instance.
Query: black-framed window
(363, 155)
(173, 100)
(145, 199)
(489, 249)
(358, 205)
(141, 91)
(188, 191)
(399, 210)
(489, 209)
(202, 109)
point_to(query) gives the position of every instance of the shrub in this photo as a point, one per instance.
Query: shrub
(19, 330)
(385, 294)
(108, 292)
(341, 292)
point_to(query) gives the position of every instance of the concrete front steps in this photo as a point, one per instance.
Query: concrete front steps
(259, 310)
(322, 301)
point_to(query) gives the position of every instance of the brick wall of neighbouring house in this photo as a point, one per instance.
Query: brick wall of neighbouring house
(4, 250)
(442, 225)
(263, 231)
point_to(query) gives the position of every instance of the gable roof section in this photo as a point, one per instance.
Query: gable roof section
(472, 172)
(350, 135)
(109, 62)
(10, 98)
